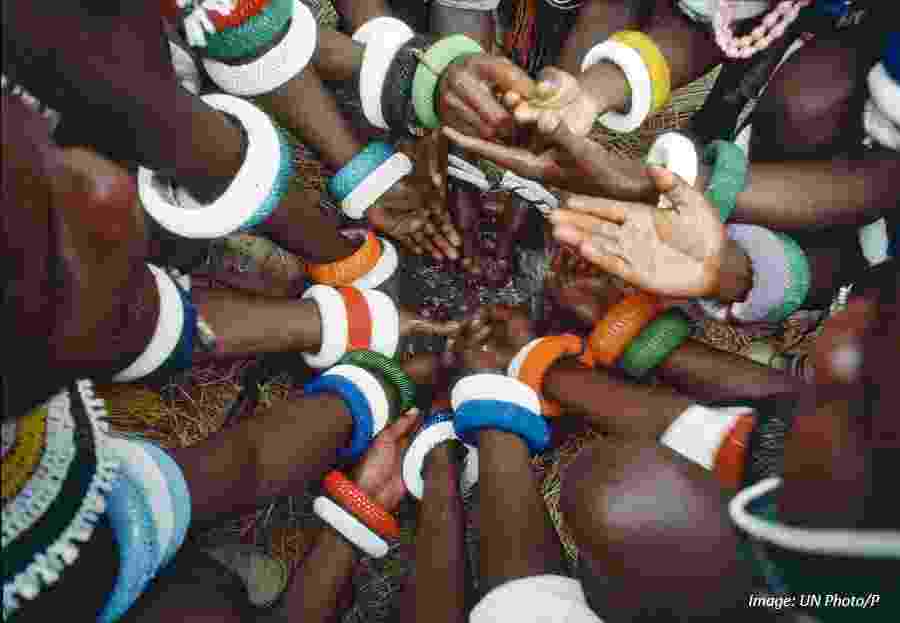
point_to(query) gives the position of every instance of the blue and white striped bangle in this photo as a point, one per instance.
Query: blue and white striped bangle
(370, 174)
(253, 194)
(171, 346)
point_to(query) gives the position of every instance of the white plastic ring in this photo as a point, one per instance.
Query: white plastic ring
(377, 58)
(385, 322)
(350, 527)
(425, 442)
(376, 184)
(383, 270)
(366, 382)
(697, 433)
(333, 316)
(180, 214)
(376, 27)
(516, 363)
(879, 127)
(677, 153)
(478, 181)
(885, 93)
(266, 73)
(169, 327)
(494, 387)
(638, 76)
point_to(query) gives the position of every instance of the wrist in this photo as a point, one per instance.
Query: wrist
(441, 459)
(606, 84)
(735, 274)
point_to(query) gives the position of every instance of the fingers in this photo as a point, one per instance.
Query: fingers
(467, 116)
(676, 189)
(608, 209)
(519, 160)
(478, 96)
(590, 225)
(425, 243)
(401, 427)
(608, 262)
(503, 74)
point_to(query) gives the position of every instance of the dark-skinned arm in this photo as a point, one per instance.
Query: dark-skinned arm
(597, 20)
(358, 12)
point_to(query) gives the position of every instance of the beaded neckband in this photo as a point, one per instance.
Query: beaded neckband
(772, 27)
(57, 509)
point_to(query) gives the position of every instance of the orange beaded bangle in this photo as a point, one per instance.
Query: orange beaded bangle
(359, 319)
(730, 458)
(623, 322)
(547, 352)
(364, 508)
(345, 271)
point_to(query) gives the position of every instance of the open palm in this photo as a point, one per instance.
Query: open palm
(673, 251)
(380, 472)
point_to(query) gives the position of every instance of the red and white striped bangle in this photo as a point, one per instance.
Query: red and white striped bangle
(359, 319)
(385, 336)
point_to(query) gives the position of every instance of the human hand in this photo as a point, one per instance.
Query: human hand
(466, 99)
(587, 298)
(411, 322)
(558, 97)
(379, 474)
(674, 252)
(491, 338)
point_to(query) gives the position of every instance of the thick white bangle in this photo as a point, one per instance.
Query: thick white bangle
(516, 363)
(874, 241)
(677, 153)
(478, 181)
(350, 527)
(169, 327)
(879, 127)
(530, 190)
(385, 322)
(885, 93)
(494, 387)
(426, 441)
(383, 270)
(697, 433)
(376, 184)
(274, 68)
(638, 76)
(333, 316)
(383, 38)
(180, 214)
(369, 386)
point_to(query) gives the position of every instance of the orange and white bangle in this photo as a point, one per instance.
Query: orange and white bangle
(345, 271)
(623, 322)
(347, 494)
(716, 439)
(536, 358)
(383, 270)
(359, 319)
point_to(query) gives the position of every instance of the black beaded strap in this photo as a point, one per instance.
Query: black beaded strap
(396, 96)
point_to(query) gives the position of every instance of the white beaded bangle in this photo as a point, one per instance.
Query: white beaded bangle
(426, 441)
(376, 184)
(885, 93)
(879, 128)
(383, 270)
(180, 214)
(169, 327)
(350, 527)
(697, 433)
(638, 76)
(494, 387)
(333, 316)
(385, 322)
(516, 363)
(381, 48)
(369, 386)
(274, 68)
(677, 153)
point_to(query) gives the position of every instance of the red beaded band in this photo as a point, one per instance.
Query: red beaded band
(364, 508)
(359, 319)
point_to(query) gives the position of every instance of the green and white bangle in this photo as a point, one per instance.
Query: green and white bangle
(370, 174)
(387, 368)
(254, 34)
(428, 74)
(274, 68)
(728, 177)
(655, 343)
(253, 194)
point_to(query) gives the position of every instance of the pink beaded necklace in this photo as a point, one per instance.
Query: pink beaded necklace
(773, 26)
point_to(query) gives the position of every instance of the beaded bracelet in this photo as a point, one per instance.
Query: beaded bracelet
(657, 65)
(728, 176)
(346, 271)
(540, 355)
(350, 527)
(241, 12)
(475, 415)
(253, 34)
(22, 458)
(371, 173)
(348, 495)
(434, 432)
(396, 95)
(435, 60)
(356, 404)
(369, 385)
(637, 75)
(288, 58)
(655, 343)
(383, 38)
(622, 323)
(389, 370)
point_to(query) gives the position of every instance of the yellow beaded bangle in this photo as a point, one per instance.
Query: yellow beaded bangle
(22, 459)
(657, 65)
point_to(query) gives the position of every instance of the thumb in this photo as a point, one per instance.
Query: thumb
(673, 186)
(577, 147)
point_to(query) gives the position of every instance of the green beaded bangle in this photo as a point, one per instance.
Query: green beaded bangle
(255, 33)
(796, 291)
(389, 369)
(428, 74)
(729, 175)
(655, 343)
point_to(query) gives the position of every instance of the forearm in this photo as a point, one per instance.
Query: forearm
(517, 537)
(337, 56)
(597, 20)
(436, 592)
(358, 12)
(478, 25)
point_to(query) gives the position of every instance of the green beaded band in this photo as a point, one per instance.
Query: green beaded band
(796, 291)
(429, 70)
(255, 33)
(655, 343)
(389, 369)
(728, 177)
